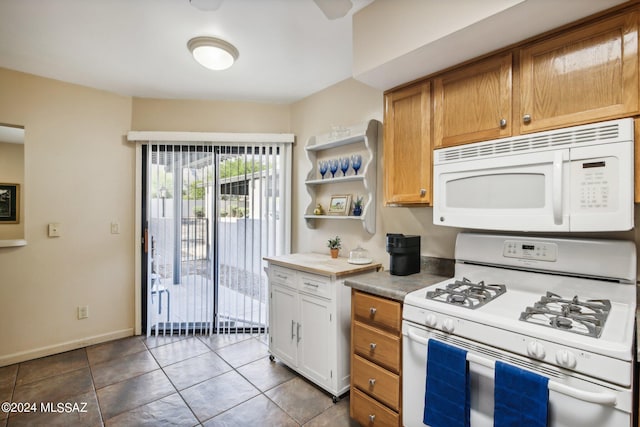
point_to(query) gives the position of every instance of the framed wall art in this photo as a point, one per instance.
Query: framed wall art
(9, 203)
(340, 204)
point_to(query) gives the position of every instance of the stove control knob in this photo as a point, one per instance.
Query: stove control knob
(431, 320)
(566, 359)
(448, 325)
(536, 350)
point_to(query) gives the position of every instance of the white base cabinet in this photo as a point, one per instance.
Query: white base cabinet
(309, 321)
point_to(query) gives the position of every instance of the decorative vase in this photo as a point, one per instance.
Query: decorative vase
(334, 252)
(357, 210)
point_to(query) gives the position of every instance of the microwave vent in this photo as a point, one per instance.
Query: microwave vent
(611, 131)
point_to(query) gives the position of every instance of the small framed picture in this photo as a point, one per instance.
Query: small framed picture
(340, 204)
(9, 203)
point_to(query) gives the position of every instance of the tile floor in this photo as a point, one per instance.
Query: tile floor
(223, 380)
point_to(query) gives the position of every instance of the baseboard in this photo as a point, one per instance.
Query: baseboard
(22, 356)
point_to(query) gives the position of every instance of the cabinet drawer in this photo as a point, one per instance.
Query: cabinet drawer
(367, 412)
(282, 276)
(376, 381)
(377, 346)
(376, 311)
(315, 284)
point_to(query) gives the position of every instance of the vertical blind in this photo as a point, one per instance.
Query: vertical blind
(214, 210)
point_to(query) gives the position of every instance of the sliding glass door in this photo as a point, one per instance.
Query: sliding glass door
(212, 212)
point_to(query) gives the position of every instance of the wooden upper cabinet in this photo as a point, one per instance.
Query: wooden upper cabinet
(407, 145)
(580, 76)
(473, 103)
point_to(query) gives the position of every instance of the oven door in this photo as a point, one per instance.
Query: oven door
(516, 192)
(573, 401)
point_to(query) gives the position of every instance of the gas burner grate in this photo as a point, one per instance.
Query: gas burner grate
(465, 293)
(572, 315)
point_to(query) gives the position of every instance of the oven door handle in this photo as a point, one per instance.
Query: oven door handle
(600, 398)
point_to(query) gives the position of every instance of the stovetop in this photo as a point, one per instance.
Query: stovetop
(585, 317)
(522, 290)
(466, 293)
(575, 315)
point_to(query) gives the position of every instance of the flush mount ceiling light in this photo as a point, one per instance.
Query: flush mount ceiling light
(213, 53)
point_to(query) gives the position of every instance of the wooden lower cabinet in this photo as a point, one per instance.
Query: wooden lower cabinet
(376, 360)
(383, 385)
(369, 412)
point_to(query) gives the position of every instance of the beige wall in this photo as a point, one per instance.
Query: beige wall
(208, 116)
(12, 172)
(79, 172)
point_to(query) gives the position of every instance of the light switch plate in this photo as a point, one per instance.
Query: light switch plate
(115, 227)
(54, 229)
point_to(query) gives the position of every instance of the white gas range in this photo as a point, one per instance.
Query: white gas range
(562, 308)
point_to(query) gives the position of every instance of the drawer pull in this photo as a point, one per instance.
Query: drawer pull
(372, 346)
(315, 285)
(373, 310)
(282, 276)
(372, 382)
(372, 418)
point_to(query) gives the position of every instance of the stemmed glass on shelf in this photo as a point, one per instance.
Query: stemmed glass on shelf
(356, 162)
(344, 165)
(324, 167)
(333, 167)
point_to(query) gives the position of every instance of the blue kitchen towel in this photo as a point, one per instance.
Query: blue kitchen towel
(446, 398)
(521, 397)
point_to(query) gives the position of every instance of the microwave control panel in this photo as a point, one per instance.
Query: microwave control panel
(523, 249)
(592, 183)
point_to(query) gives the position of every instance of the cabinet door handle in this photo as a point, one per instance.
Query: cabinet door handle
(423, 192)
(373, 310)
(372, 418)
(503, 122)
(526, 118)
(372, 346)
(292, 326)
(298, 331)
(372, 382)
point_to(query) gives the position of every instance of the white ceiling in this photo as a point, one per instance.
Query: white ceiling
(288, 48)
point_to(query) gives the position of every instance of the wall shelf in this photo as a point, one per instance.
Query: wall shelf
(362, 139)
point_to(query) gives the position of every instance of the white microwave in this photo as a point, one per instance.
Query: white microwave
(573, 179)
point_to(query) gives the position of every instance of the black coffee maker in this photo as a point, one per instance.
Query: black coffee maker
(405, 254)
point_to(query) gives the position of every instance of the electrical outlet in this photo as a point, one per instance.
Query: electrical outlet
(54, 229)
(83, 312)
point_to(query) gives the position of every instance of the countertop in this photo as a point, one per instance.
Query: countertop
(321, 264)
(384, 284)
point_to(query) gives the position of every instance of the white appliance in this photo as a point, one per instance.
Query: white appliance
(573, 179)
(563, 308)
